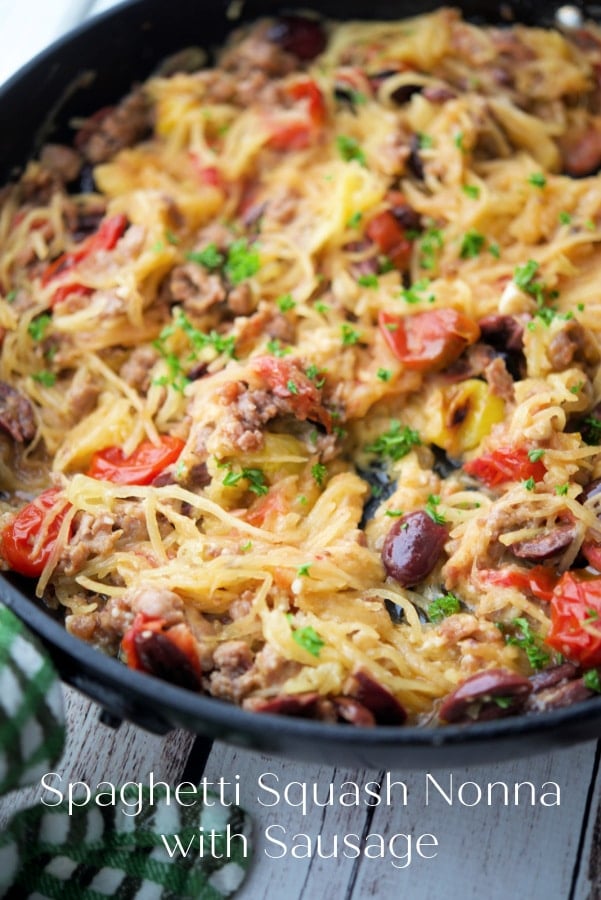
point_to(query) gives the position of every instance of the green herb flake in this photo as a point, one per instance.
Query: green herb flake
(503, 702)
(576, 388)
(370, 281)
(535, 453)
(494, 250)
(414, 294)
(244, 548)
(562, 489)
(529, 484)
(286, 303)
(354, 220)
(537, 179)
(210, 257)
(158, 247)
(254, 477)
(529, 642)
(308, 639)
(430, 508)
(592, 430)
(425, 141)
(277, 349)
(242, 261)
(592, 681)
(447, 605)
(304, 569)
(350, 149)
(319, 472)
(350, 335)
(565, 218)
(384, 374)
(472, 244)
(580, 307)
(431, 243)
(37, 327)
(458, 141)
(395, 443)
(292, 386)
(45, 378)
(322, 308)
(11, 296)
(590, 225)
(394, 513)
(471, 190)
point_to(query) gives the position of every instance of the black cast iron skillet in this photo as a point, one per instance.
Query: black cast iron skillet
(93, 67)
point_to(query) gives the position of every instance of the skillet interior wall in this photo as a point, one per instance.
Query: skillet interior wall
(93, 68)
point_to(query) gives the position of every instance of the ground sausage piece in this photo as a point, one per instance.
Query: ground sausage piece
(111, 130)
(136, 370)
(195, 288)
(571, 345)
(61, 160)
(16, 414)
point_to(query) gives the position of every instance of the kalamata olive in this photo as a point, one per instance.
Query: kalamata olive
(559, 696)
(303, 705)
(591, 490)
(553, 676)
(486, 695)
(415, 162)
(384, 706)
(352, 711)
(304, 38)
(412, 547)
(160, 656)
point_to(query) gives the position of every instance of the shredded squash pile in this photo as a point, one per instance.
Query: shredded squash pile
(271, 321)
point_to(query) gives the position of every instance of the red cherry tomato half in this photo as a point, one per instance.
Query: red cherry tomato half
(576, 618)
(141, 467)
(69, 290)
(428, 341)
(505, 464)
(167, 652)
(18, 539)
(299, 132)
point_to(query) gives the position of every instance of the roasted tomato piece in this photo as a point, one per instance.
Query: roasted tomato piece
(300, 131)
(576, 618)
(141, 467)
(69, 290)
(539, 581)
(505, 464)
(168, 653)
(105, 238)
(428, 341)
(18, 539)
(391, 238)
(286, 380)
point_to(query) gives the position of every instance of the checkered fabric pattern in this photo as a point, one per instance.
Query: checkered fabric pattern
(192, 850)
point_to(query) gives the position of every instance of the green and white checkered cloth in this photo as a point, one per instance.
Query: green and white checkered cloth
(96, 851)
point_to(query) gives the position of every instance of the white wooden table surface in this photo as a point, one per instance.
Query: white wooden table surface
(494, 852)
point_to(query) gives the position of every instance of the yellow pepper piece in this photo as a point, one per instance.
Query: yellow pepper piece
(463, 416)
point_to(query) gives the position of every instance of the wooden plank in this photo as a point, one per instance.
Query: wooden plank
(588, 867)
(95, 752)
(492, 851)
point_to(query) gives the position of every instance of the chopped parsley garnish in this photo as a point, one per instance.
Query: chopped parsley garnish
(471, 190)
(592, 681)
(277, 349)
(494, 250)
(524, 276)
(350, 149)
(430, 508)
(255, 478)
(472, 244)
(158, 247)
(322, 307)
(576, 388)
(395, 443)
(304, 569)
(535, 454)
(354, 220)
(172, 238)
(242, 261)
(503, 702)
(11, 296)
(292, 386)
(37, 327)
(537, 179)
(458, 141)
(529, 642)
(286, 303)
(319, 472)
(529, 484)
(350, 335)
(198, 340)
(210, 257)
(565, 218)
(394, 513)
(562, 489)
(307, 638)
(444, 606)
(368, 281)
(384, 374)
(413, 294)
(45, 378)
(425, 141)
(430, 244)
